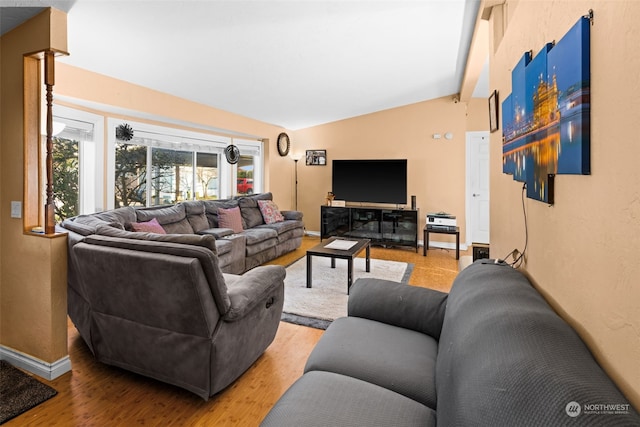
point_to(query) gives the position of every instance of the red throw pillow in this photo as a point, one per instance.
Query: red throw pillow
(230, 218)
(152, 226)
(269, 211)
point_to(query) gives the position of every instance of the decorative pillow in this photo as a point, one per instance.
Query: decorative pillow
(152, 226)
(230, 218)
(270, 211)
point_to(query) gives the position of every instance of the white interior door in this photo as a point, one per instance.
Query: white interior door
(477, 187)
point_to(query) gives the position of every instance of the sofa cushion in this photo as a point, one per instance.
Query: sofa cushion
(259, 235)
(251, 215)
(158, 245)
(410, 307)
(173, 218)
(218, 233)
(86, 224)
(505, 356)
(397, 359)
(124, 216)
(321, 399)
(208, 242)
(223, 246)
(83, 224)
(230, 218)
(196, 216)
(270, 212)
(211, 209)
(293, 215)
(151, 226)
(284, 226)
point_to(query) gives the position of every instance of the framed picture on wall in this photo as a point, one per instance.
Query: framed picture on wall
(493, 111)
(316, 157)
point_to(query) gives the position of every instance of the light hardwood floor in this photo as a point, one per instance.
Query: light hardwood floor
(94, 394)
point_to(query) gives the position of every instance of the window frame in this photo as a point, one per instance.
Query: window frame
(186, 140)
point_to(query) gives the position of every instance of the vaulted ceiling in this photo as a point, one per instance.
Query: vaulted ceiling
(290, 63)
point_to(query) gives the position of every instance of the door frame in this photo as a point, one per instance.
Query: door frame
(468, 192)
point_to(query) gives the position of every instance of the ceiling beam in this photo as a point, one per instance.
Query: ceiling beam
(478, 51)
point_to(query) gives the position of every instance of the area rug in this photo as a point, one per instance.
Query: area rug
(327, 299)
(19, 392)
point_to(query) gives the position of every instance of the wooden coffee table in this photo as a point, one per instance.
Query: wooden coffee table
(348, 254)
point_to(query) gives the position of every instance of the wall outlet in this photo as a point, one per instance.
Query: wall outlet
(16, 209)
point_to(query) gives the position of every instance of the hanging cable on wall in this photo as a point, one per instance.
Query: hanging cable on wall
(517, 256)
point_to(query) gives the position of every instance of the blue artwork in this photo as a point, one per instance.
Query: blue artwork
(546, 118)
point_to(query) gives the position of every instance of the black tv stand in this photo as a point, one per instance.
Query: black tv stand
(383, 226)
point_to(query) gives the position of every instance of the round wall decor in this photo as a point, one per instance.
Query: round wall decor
(124, 132)
(232, 153)
(283, 144)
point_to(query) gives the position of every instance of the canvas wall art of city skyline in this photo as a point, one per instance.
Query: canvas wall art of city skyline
(546, 118)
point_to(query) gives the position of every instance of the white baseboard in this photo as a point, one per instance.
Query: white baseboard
(46, 370)
(444, 245)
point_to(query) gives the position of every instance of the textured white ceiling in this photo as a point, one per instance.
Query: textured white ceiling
(290, 63)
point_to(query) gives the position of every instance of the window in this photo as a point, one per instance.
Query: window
(206, 176)
(161, 165)
(77, 142)
(130, 183)
(171, 176)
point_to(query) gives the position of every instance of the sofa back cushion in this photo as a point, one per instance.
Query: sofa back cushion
(144, 253)
(506, 358)
(124, 216)
(86, 224)
(206, 241)
(173, 218)
(196, 215)
(251, 215)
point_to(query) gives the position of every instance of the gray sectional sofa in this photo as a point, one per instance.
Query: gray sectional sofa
(492, 352)
(237, 252)
(167, 305)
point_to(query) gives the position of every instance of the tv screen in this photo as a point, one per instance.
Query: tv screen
(372, 181)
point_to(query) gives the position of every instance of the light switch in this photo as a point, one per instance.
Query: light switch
(16, 209)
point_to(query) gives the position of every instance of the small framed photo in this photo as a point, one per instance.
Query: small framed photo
(493, 111)
(316, 157)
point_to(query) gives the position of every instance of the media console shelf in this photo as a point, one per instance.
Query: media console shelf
(383, 226)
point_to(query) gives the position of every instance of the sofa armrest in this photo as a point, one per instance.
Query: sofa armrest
(218, 233)
(397, 304)
(251, 289)
(295, 215)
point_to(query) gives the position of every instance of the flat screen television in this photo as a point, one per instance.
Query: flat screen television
(371, 181)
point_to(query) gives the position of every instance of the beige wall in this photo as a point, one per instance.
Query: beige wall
(436, 167)
(32, 268)
(73, 82)
(583, 251)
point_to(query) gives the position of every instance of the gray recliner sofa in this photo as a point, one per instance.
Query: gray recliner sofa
(492, 352)
(192, 307)
(165, 309)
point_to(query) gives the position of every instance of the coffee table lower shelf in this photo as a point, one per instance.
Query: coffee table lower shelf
(349, 254)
